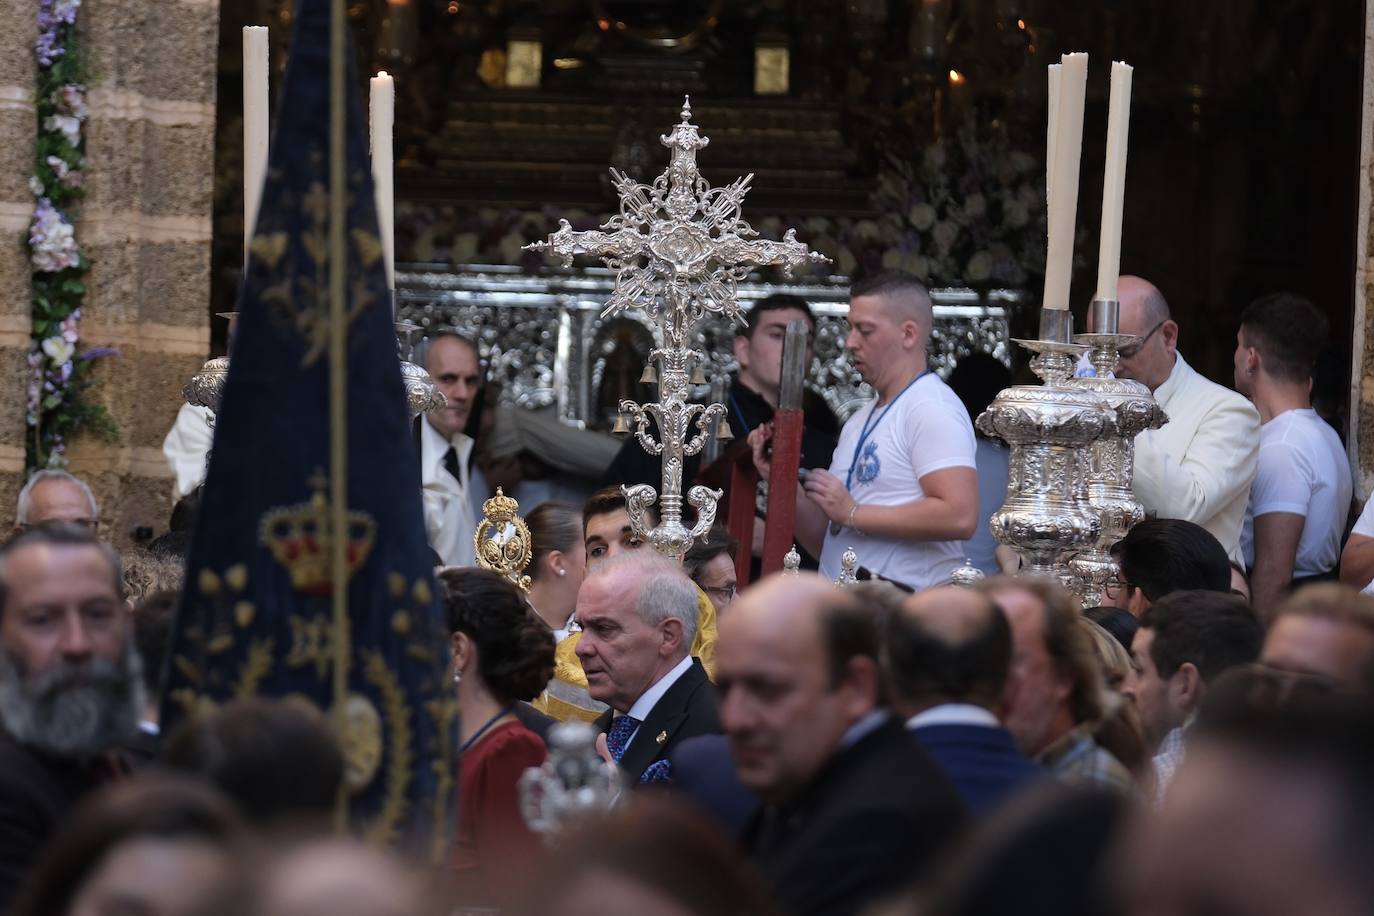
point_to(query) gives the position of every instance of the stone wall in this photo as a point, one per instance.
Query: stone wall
(145, 225)
(18, 74)
(1361, 439)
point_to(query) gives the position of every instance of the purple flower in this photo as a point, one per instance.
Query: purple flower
(99, 353)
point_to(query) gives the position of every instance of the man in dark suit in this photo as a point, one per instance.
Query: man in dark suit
(70, 686)
(852, 807)
(638, 613)
(946, 655)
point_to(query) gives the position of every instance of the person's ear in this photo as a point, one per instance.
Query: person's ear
(860, 688)
(1168, 332)
(1185, 687)
(672, 633)
(1137, 604)
(741, 348)
(461, 648)
(555, 563)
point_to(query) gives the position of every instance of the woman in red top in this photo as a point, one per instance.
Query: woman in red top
(502, 654)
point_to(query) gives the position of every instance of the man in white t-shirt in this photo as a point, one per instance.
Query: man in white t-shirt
(1301, 494)
(902, 488)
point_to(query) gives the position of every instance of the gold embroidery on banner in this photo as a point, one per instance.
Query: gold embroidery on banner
(400, 754)
(359, 728)
(300, 538)
(255, 668)
(443, 712)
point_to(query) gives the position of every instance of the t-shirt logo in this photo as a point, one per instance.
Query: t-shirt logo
(868, 466)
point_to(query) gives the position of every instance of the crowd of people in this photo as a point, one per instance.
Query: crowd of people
(1202, 743)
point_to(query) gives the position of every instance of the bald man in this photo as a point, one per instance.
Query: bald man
(902, 488)
(946, 659)
(453, 489)
(852, 807)
(1199, 465)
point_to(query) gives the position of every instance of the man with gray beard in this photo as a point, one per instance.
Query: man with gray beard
(71, 689)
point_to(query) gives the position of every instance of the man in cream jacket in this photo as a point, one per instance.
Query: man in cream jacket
(1199, 465)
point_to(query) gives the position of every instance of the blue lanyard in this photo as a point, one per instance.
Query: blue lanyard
(739, 413)
(875, 419)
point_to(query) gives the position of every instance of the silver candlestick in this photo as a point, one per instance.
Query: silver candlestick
(1107, 463)
(572, 784)
(679, 249)
(1046, 426)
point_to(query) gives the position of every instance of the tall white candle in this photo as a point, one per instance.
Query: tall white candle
(1114, 182)
(1056, 71)
(255, 124)
(1063, 182)
(383, 117)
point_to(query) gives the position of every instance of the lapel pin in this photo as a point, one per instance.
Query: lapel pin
(662, 737)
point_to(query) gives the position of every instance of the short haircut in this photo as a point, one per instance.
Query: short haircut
(1337, 603)
(1121, 624)
(664, 592)
(277, 758)
(1288, 331)
(896, 287)
(1069, 646)
(152, 633)
(1163, 555)
(609, 499)
(427, 343)
(1213, 631)
(514, 647)
(774, 303)
(60, 534)
(850, 630)
(553, 526)
(716, 541)
(25, 504)
(924, 666)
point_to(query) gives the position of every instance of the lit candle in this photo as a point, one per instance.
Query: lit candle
(1114, 182)
(383, 116)
(1063, 182)
(255, 123)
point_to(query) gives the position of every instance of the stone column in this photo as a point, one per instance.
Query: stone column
(1361, 439)
(145, 226)
(18, 77)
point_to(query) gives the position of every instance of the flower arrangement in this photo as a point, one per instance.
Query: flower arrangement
(59, 369)
(971, 210)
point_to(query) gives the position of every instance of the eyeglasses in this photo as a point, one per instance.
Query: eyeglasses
(724, 593)
(1116, 588)
(1130, 351)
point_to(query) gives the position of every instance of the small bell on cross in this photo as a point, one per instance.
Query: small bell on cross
(650, 377)
(698, 376)
(723, 434)
(621, 428)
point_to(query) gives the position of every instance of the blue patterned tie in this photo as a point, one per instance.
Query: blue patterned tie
(619, 735)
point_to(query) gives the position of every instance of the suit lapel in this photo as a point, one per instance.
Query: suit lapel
(657, 730)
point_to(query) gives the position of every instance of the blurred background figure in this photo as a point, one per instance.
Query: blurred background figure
(710, 563)
(56, 496)
(653, 856)
(1326, 630)
(158, 845)
(976, 379)
(153, 617)
(502, 655)
(278, 760)
(558, 563)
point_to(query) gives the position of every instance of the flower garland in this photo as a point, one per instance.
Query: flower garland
(59, 371)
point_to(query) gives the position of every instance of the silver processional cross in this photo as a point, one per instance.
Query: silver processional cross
(679, 248)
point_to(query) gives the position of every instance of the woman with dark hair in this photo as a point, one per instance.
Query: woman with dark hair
(558, 564)
(502, 654)
(156, 845)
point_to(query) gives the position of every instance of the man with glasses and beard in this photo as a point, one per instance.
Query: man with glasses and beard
(71, 690)
(1199, 465)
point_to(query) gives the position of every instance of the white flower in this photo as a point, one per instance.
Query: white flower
(979, 267)
(1015, 215)
(65, 10)
(922, 216)
(58, 166)
(35, 186)
(975, 206)
(465, 248)
(945, 232)
(58, 350)
(68, 126)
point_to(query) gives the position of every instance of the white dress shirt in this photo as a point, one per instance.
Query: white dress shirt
(1199, 465)
(954, 714)
(187, 446)
(449, 515)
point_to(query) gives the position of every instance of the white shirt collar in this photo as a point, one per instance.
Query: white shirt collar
(433, 447)
(1177, 374)
(649, 698)
(954, 714)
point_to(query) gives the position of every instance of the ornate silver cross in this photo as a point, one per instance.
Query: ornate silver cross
(679, 248)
